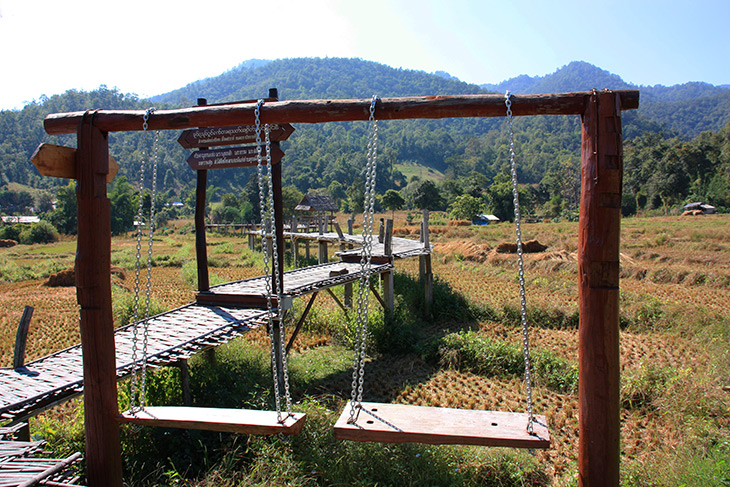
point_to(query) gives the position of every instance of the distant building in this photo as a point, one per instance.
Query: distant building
(20, 219)
(485, 219)
(314, 207)
(707, 209)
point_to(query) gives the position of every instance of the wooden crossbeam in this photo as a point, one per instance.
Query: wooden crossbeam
(400, 423)
(243, 421)
(318, 111)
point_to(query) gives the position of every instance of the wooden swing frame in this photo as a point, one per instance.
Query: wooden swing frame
(225, 420)
(598, 248)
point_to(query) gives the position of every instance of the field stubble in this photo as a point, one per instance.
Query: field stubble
(674, 339)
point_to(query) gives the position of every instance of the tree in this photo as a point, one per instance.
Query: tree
(64, 217)
(500, 197)
(291, 197)
(427, 196)
(392, 200)
(466, 207)
(123, 208)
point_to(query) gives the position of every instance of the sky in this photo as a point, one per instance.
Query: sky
(151, 47)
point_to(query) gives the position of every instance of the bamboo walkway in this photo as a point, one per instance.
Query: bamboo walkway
(217, 316)
(297, 282)
(173, 336)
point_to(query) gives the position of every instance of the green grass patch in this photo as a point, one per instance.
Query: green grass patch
(475, 353)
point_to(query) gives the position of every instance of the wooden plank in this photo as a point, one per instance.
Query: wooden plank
(246, 156)
(239, 134)
(243, 421)
(318, 111)
(400, 423)
(60, 162)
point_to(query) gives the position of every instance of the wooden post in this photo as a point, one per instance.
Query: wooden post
(182, 364)
(424, 266)
(201, 249)
(348, 286)
(93, 288)
(251, 239)
(21, 338)
(388, 293)
(294, 241)
(381, 230)
(323, 251)
(598, 270)
(278, 234)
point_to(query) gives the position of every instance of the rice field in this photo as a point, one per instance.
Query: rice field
(675, 340)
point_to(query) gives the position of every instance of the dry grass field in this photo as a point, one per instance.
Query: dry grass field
(675, 351)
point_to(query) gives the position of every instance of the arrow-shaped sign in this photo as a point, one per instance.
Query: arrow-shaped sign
(239, 134)
(232, 157)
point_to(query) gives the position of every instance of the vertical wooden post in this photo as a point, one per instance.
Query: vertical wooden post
(424, 266)
(381, 230)
(348, 286)
(598, 269)
(278, 234)
(252, 238)
(21, 338)
(388, 292)
(323, 251)
(294, 241)
(93, 288)
(201, 249)
(182, 364)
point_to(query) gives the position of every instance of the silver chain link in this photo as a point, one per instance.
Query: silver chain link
(268, 220)
(363, 295)
(139, 384)
(521, 268)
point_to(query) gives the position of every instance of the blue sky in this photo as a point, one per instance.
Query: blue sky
(154, 46)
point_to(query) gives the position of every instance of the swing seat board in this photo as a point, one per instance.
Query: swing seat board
(400, 423)
(244, 421)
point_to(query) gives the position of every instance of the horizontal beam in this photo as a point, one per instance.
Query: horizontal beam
(318, 111)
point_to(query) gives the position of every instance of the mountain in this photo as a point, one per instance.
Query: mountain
(308, 78)
(471, 153)
(576, 76)
(684, 110)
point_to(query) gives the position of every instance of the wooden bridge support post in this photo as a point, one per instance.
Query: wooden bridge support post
(252, 238)
(182, 364)
(348, 286)
(21, 338)
(424, 267)
(93, 260)
(201, 249)
(388, 291)
(598, 270)
(322, 258)
(294, 241)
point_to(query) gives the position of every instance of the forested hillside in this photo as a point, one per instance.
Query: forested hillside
(471, 153)
(681, 110)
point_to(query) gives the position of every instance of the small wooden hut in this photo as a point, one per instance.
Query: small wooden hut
(314, 208)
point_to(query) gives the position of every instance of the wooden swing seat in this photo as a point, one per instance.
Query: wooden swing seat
(244, 421)
(399, 423)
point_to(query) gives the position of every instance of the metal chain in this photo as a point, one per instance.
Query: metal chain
(521, 267)
(138, 369)
(278, 283)
(267, 220)
(363, 295)
(148, 287)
